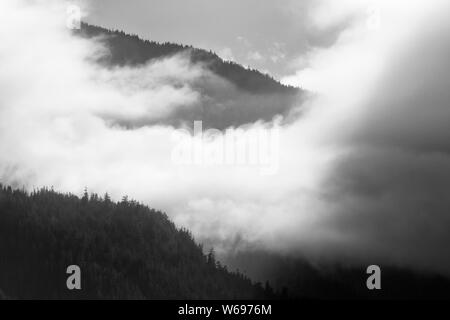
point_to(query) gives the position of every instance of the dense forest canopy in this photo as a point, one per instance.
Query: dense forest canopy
(124, 250)
(128, 251)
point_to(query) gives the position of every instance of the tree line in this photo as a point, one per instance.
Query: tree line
(125, 250)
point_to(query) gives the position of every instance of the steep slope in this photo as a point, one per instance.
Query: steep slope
(132, 50)
(124, 250)
(231, 95)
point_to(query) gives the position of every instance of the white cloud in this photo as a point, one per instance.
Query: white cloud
(226, 54)
(255, 56)
(54, 103)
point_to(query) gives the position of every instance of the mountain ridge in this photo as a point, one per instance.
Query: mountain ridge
(139, 51)
(228, 95)
(124, 250)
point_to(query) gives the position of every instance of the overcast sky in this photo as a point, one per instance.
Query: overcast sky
(267, 35)
(363, 174)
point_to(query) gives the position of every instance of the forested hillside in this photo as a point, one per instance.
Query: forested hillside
(230, 94)
(124, 250)
(132, 50)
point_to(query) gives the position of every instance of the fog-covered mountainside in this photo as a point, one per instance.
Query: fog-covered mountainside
(231, 95)
(124, 250)
(130, 49)
(304, 279)
(129, 251)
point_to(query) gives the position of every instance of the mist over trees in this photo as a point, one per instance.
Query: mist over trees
(128, 49)
(332, 280)
(125, 250)
(230, 94)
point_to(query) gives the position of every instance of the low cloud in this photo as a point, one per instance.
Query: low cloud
(362, 174)
(387, 92)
